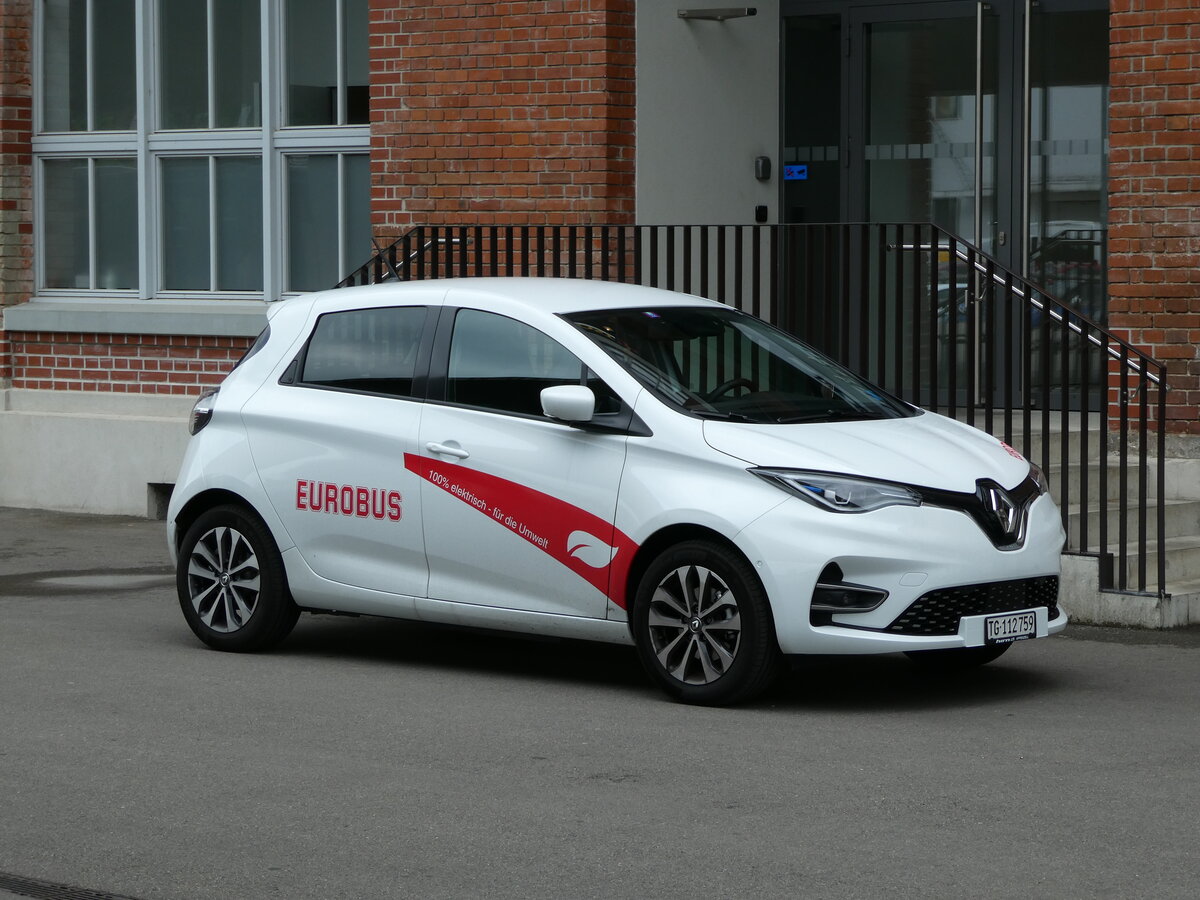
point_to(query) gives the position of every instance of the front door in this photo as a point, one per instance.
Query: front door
(518, 509)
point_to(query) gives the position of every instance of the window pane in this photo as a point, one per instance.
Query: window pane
(356, 56)
(185, 224)
(500, 363)
(64, 56)
(116, 224)
(113, 67)
(239, 224)
(357, 249)
(311, 54)
(312, 222)
(237, 73)
(183, 63)
(366, 350)
(66, 223)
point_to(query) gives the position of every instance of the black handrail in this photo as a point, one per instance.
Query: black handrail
(913, 308)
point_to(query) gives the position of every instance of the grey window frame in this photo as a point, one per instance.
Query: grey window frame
(271, 140)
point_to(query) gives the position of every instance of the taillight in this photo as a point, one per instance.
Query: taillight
(203, 410)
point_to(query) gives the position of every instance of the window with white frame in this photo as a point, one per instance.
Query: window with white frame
(200, 148)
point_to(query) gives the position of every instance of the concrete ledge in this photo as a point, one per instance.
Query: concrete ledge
(217, 318)
(97, 404)
(1086, 604)
(90, 452)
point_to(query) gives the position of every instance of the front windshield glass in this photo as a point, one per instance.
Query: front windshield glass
(722, 364)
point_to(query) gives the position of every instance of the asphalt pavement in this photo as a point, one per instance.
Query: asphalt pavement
(374, 758)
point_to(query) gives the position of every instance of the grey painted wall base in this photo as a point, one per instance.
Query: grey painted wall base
(1086, 604)
(89, 452)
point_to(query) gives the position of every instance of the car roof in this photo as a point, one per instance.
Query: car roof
(536, 295)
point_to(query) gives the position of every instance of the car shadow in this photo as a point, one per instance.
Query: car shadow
(434, 646)
(817, 683)
(891, 682)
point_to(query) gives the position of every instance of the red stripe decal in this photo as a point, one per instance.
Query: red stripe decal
(586, 544)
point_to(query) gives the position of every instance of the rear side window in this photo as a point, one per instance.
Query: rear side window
(259, 343)
(370, 350)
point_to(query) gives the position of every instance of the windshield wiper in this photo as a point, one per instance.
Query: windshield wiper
(722, 416)
(831, 415)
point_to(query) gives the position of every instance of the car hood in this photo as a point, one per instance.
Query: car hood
(927, 450)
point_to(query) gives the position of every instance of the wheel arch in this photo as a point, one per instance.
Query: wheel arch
(668, 537)
(203, 502)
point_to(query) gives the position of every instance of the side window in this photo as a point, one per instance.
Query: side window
(370, 350)
(499, 363)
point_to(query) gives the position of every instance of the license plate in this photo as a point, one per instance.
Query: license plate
(1006, 629)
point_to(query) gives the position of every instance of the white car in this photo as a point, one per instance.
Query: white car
(600, 461)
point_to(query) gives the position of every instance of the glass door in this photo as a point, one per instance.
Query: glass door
(926, 117)
(988, 120)
(1066, 193)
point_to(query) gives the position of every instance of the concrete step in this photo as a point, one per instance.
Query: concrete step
(1077, 436)
(1181, 518)
(1185, 597)
(1071, 483)
(1086, 603)
(1183, 561)
(1182, 478)
(1052, 443)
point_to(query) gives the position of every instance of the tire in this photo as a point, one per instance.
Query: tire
(956, 658)
(231, 584)
(703, 626)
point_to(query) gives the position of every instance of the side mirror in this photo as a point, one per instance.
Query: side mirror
(569, 402)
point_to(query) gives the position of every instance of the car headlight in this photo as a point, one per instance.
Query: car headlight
(1039, 478)
(840, 493)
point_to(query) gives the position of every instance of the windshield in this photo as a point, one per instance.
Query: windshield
(722, 364)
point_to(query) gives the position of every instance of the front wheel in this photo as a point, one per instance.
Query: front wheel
(703, 626)
(231, 584)
(956, 658)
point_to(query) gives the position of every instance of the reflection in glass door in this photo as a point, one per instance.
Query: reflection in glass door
(1066, 210)
(986, 119)
(929, 122)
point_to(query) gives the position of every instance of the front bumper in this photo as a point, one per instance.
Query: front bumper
(914, 553)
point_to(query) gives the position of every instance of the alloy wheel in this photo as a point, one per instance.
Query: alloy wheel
(223, 579)
(695, 625)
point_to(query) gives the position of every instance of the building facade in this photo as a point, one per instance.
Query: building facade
(170, 168)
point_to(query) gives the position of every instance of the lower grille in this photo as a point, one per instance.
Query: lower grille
(938, 612)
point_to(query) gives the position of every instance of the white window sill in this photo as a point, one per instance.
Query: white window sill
(218, 318)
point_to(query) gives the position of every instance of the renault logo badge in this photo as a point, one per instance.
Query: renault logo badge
(1000, 505)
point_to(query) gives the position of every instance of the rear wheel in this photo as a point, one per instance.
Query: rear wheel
(703, 626)
(231, 583)
(956, 657)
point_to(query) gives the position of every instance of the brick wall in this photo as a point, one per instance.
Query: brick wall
(521, 112)
(121, 363)
(1154, 187)
(16, 213)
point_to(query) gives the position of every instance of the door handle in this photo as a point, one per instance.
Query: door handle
(450, 448)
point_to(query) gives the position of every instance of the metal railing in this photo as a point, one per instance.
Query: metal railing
(916, 310)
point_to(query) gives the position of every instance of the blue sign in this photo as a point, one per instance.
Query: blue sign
(795, 173)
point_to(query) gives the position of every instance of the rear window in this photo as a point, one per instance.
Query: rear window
(369, 350)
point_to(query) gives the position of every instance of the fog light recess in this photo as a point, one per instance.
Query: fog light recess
(834, 595)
